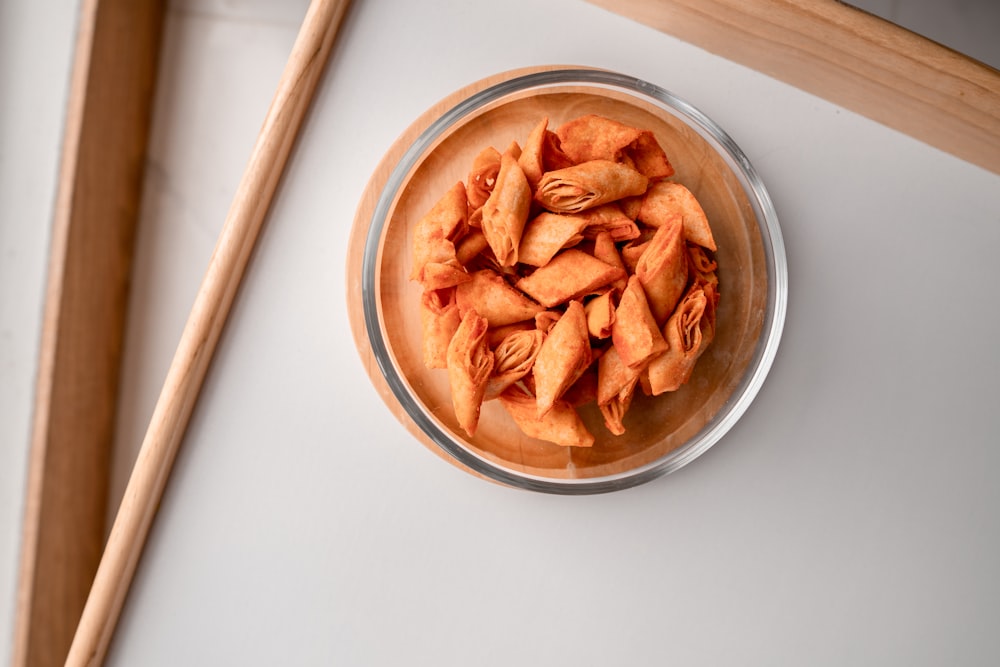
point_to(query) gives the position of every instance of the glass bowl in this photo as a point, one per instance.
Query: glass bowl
(663, 433)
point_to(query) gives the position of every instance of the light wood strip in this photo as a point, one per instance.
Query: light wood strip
(849, 57)
(97, 207)
(201, 334)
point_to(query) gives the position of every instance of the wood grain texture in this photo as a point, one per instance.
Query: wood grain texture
(849, 57)
(96, 211)
(192, 358)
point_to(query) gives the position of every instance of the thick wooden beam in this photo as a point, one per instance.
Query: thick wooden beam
(97, 208)
(849, 57)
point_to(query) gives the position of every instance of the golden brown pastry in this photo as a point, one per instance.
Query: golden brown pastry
(684, 336)
(561, 424)
(587, 185)
(635, 333)
(570, 275)
(513, 359)
(662, 269)
(435, 265)
(470, 363)
(564, 356)
(506, 211)
(492, 297)
(439, 319)
(664, 199)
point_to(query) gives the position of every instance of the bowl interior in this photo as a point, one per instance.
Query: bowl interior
(656, 427)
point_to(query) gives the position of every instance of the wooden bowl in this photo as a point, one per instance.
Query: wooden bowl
(663, 433)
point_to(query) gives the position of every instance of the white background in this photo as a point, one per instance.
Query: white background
(851, 517)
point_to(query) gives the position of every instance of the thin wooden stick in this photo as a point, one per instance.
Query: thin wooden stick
(201, 333)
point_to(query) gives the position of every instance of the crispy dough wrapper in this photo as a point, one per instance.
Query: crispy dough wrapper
(616, 383)
(471, 245)
(702, 266)
(560, 425)
(606, 251)
(664, 199)
(491, 296)
(564, 356)
(512, 360)
(483, 176)
(435, 265)
(662, 269)
(470, 363)
(532, 159)
(496, 335)
(439, 319)
(611, 219)
(594, 137)
(684, 336)
(570, 275)
(635, 333)
(506, 211)
(548, 233)
(587, 185)
(600, 315)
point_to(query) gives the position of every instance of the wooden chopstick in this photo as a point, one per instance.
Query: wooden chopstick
(202, 331)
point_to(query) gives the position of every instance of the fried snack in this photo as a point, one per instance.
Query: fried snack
(635, 333)
(439, 319)
(593, 137)
(616, 383)
(566, 274)
(564, 356)
(560, 425)
(532, 159)
(684, 336)
(483, 176)
(435, 264)
(600, 315)
(587, 185)
(665, 199)
(506, 211)
(470, 363)
(611, 219)
(513, 359)
(605, 250)
(548, 233)
(570, 275)
(489, 294)
(662, 269)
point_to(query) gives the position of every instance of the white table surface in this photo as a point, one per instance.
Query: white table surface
(851, 517)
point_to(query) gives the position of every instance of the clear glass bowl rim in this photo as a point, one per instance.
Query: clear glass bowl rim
(774, 256)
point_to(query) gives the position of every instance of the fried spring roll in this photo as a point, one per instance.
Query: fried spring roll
(439, 319)
(635, 333)
(470, 363)
(532, 159)
(506, 211)
(600, 315)
(560, 425)
(435, 264)
(665, 199)
(616, 383)
(609, 218)
(662, 269)
(570, 275)
(594, 137)
(564, 356)
(587, 185)
(548, 233)
(483, 176)
(684, 336)
(489, 294)
(513, 359)
(606, 251)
